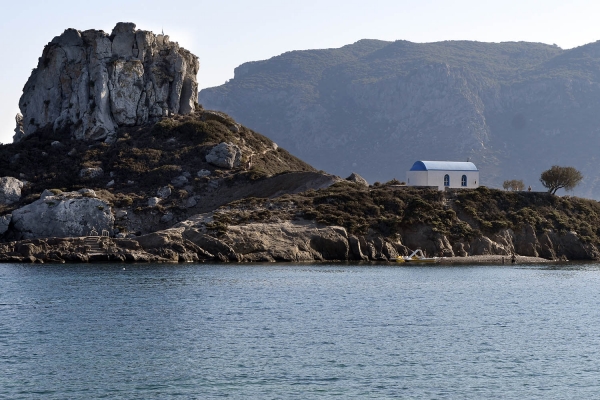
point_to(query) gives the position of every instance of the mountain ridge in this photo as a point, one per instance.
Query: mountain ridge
(511, 107)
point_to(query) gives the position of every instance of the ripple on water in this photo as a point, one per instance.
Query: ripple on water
(299, 331)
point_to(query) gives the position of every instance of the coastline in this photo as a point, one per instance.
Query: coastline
(495, 259)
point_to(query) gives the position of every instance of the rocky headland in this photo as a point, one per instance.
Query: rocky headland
(151, 176)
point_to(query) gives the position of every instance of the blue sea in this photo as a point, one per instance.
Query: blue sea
(299, 331)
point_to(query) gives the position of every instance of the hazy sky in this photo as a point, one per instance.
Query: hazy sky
(226, 33)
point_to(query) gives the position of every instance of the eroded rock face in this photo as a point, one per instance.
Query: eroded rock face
(65, 215)
(91, 82)
(10, 190)
(225, 155)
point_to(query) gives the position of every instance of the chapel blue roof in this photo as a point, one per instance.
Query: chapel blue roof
(443, 166)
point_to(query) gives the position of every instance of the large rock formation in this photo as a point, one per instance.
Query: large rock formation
(375, 107)
(70, 214)
(92, 82)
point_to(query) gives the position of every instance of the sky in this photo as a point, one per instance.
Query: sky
(227, 33)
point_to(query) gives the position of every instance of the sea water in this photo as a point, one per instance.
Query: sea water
(299, 331)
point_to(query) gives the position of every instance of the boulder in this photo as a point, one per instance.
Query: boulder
(90, 82)
(191, 202)
(91, 173)
(179, 181)
(64, 215)
(163, 192)
(10, 190)
(225, 155)
(356, 178)
(153, 201)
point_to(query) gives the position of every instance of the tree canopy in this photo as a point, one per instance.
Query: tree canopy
(514, 185)
(559, 177)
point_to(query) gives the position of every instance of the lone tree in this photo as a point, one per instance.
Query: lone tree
(514, 185)
(560, 177)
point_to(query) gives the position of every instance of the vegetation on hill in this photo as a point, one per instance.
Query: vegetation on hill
(389, 209)
(142, 159)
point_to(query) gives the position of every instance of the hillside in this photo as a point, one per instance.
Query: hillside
(166, 160)
(375, 107)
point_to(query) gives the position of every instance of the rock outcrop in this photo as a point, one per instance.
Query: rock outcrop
(356, 178)
(91, 83)
(10, 190)
(62, 215)
(225, 155)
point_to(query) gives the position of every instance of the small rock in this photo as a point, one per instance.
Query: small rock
(44, 154)
(153, 201)
(130, 182)
(168, 217)
(56, 144)
(111, 183)
(163, 192)
(91, 173)
(112, 174)
(120, 235)
(46, 193)
(187, 174)
(191, 202)
(179, 181)
(203, 172)
(72, 152)
(120, 214)
(213, 184)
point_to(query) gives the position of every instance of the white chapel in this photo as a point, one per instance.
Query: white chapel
(443, 174)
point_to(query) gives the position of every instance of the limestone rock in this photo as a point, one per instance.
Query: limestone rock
(191, 202)
(91, 173)
(179, 181)
(10, 190)
(163, 192)
(168, 217)
(63, 215)
(356, 178)
(225, 155)
(91, 83)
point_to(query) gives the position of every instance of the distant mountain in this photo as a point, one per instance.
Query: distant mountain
(375, 107)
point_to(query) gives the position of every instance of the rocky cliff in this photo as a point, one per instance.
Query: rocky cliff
(92, 83)
(375, 107)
